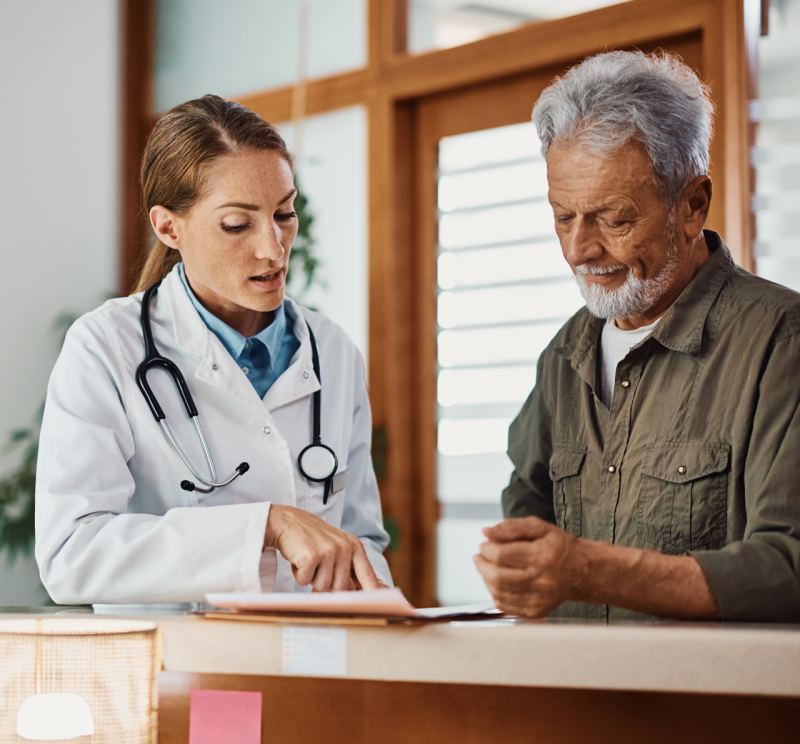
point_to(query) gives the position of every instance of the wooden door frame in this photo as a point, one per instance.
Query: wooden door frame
(390, 87)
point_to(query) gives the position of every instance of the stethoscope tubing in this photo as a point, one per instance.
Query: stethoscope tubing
(154, 360)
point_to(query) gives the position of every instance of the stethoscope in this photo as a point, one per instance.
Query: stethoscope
(317, 462)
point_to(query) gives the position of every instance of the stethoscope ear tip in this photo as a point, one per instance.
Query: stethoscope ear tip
(188, 485)
(243, 468)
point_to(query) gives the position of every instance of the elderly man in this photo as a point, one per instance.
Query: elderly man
(657, 460)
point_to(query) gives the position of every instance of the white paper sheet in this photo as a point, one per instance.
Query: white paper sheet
(381, 602)
(315, 651)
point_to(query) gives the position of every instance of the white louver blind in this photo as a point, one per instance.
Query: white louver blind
(776, 156)
(504, 291)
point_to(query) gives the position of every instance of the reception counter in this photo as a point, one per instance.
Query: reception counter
(496, 681)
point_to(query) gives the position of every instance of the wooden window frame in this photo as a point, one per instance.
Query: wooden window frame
(390, 87)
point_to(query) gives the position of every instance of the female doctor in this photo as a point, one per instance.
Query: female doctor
(133, 508)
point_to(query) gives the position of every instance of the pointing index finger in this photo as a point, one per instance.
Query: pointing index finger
(363, 569)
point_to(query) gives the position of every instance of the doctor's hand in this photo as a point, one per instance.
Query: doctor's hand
(530, 566)
(323, 556)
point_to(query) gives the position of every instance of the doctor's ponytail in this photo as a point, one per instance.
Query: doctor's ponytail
(179, 153)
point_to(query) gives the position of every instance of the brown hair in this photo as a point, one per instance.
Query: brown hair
(179, 153)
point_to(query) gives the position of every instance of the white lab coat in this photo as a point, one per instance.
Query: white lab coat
(112, 522)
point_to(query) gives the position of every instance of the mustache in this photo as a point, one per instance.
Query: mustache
(600, 270)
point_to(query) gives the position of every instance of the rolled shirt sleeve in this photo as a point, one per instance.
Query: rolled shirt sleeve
(758, 577)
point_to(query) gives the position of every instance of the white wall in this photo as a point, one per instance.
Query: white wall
(58, 197)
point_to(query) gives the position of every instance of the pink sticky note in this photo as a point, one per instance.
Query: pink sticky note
(225, 717)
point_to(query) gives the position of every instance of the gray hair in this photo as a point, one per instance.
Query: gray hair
(612, 98)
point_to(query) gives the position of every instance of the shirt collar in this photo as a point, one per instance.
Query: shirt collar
(232, 340)
(681, 328)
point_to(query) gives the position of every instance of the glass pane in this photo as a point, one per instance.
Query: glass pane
(508, 304)
(458, 580)
(487, 385)
(776, 156)
(242, 46)
(440, 24)
(495, 345)
(332, 172)
(492, 265)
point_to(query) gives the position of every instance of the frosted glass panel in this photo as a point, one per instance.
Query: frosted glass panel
(243, 46)
(491, 265)
(509, 304)
(485, 385)
(493, 185)
(440, 24)
(458, 580)
(495, 345)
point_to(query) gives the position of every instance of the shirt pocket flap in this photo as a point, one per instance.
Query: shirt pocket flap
(566, 461)
(682, 462)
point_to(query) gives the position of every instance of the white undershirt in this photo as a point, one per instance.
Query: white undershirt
(614, 347)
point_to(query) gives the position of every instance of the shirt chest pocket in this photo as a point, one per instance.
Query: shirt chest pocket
(683, 500)
(565, 472)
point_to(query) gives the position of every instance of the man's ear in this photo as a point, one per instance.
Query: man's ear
(166, 227)
(696, 203)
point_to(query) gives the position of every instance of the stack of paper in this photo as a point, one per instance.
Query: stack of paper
(378, 603)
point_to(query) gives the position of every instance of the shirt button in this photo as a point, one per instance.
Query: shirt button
(612, 469)
(682, 470)
(246, 344)
(553, 471)
(246, 370)
(215, 367)
(305, 375)
(626, 383)
(267, 430)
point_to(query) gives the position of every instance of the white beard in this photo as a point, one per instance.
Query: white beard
(635, 296)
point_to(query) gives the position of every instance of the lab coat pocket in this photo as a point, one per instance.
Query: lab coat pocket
(565, 471)
(683, 498)
(332, 511)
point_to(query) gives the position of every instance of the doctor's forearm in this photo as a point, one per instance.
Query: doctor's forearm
(642, 581)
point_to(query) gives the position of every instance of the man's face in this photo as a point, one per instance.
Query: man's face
(615, 231)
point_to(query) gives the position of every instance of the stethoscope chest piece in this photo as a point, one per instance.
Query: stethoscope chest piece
(317, 462)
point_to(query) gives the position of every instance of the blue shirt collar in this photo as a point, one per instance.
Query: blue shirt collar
(232, 340)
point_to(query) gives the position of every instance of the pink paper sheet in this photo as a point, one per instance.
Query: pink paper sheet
(224, 717)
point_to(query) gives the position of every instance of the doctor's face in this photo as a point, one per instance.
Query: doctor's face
(236, 239)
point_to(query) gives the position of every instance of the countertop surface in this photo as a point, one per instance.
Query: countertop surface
(674, 657)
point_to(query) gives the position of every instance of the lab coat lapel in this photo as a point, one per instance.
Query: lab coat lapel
(216, 366)
(299, 380)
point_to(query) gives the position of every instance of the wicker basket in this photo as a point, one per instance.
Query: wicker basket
(112, 665)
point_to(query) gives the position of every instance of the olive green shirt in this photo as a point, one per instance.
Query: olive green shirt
(700, 451)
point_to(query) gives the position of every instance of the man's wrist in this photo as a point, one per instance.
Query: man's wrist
(581, 560)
